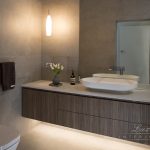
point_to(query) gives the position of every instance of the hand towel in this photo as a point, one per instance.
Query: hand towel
(7, 75)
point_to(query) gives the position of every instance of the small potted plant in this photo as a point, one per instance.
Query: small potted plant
(56, 69)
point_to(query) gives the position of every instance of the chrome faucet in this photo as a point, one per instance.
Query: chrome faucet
(118, 68)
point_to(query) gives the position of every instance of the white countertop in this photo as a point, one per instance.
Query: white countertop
(141, 94)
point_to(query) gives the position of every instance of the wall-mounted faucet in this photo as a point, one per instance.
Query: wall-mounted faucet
(118, 68)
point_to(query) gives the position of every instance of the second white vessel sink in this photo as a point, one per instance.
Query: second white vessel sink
(111, 84)
(117, 76)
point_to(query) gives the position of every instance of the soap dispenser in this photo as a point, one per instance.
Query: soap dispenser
(72, 78)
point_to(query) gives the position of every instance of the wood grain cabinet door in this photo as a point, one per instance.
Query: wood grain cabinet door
(105, 108)
(39, 105)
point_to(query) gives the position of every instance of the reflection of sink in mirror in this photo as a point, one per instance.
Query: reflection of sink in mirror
(110, 84)
(116, 76)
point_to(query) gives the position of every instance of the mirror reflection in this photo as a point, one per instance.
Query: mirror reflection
(133, 45)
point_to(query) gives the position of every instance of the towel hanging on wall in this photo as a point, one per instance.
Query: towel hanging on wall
(7, 75)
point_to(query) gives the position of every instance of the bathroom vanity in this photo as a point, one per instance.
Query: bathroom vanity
(120, 115)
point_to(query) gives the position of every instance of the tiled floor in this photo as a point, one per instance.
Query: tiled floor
(51, 137)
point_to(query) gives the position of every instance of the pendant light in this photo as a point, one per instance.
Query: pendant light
(49, 25)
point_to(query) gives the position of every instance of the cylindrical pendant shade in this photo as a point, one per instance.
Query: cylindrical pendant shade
(48, 26)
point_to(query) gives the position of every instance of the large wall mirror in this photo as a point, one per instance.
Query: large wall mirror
(133, 46)
(105, 41)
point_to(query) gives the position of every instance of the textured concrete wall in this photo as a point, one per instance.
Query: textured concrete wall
(63, 45)
(98, 30)
(20, 41)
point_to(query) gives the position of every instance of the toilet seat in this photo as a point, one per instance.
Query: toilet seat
(8, 137)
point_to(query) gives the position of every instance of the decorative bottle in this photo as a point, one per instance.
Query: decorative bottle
(72, 78)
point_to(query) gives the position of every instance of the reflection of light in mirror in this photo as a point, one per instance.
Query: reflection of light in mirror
(62, 25)
(48, 26)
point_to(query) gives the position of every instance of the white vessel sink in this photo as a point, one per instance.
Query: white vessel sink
(118, 76)
(111, 84)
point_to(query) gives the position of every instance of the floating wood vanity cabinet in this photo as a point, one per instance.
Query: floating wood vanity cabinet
(116, 118)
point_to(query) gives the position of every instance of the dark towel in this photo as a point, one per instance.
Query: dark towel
(7, 75)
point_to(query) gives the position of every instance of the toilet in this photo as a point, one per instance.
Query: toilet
(9, 138)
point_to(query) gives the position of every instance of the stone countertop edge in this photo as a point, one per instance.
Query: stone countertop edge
(138, 96)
